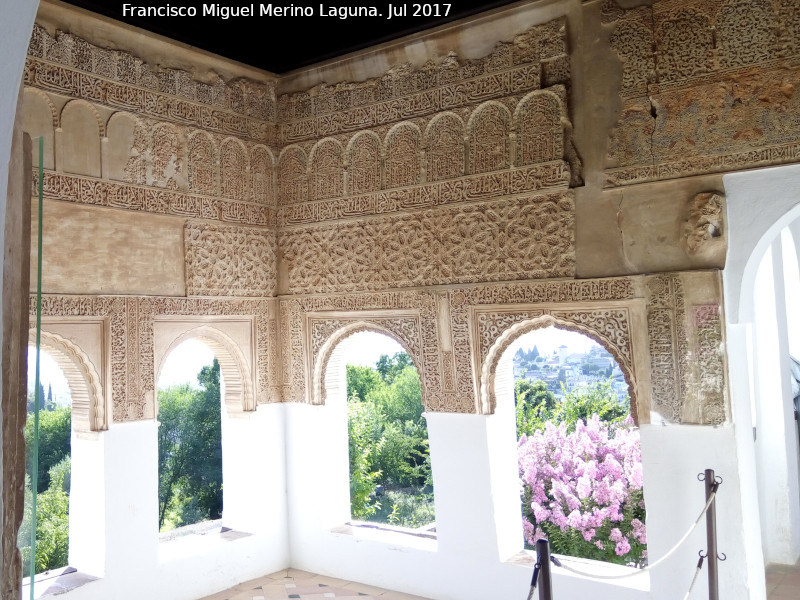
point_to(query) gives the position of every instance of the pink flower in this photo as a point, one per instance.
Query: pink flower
(622, 547)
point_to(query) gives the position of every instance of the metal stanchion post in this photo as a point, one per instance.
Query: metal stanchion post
(711, 535)
(545, 580)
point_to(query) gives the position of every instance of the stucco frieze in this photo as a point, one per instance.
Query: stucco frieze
(707, 87)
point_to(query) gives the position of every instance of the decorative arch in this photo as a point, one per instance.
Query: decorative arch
(81, 132)
(444, 147)
(233, 168)
(127, 147)
(72, 104)
(326, 172)
(488, 128)
(89, 412)
(292, 176)
(239, 397)
(55, 115)
(749, 235)
(364, 157)
(202, 155)
(540, 133)
(402, 145)
(167, 155)
(262, 163)
(402, 330)
(579, 322)
(40, 119)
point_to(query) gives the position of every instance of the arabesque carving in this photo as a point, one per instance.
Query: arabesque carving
(327, 333)
(524, 238)
(229, 261)
(68, 65)
(402, 93)
(87, 400)
(500, 327)
(132, 371)
(99, 192)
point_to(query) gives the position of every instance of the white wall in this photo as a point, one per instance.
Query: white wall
(672, 457)
(128, 555)
(476, 494)
(776, 442)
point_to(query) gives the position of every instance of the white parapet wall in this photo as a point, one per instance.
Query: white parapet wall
(478, 519)
(118, 539)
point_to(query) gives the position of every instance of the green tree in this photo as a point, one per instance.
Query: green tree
(173, 408)
(534, 404)
(598, 398)
(401, 400)
(361, 422)
(388, 440)
(190, 451)
(205, 474)
(52, 521)
(361, 381)
(55, 431)
(389, 368)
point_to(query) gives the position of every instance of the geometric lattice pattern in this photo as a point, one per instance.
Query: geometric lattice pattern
(291, 583)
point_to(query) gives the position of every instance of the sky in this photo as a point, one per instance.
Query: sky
(184, 363)
(51, 375)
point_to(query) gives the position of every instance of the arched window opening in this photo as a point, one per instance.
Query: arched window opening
(579, 456)
(190, 434)
(390, 468)
(53, 482)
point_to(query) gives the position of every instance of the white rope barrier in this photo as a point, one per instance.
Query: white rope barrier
(655, 564)
(694, 579)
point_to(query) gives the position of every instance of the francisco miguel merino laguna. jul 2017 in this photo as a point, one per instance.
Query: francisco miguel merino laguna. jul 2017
(222, 11)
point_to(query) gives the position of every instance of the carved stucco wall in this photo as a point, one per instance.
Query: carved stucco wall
(659, 334)
(707, 87)
(437, 203)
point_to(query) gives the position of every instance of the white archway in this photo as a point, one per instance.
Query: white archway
(239, 397)
(760, 205)
(89, 409)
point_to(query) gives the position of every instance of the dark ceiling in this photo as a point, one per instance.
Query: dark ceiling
(281, 44)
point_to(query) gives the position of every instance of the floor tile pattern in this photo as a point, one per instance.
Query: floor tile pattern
(783, 582)
(301, 585)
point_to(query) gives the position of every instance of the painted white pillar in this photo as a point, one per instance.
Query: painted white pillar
(87, 503)
(254, 473)
(739, 346)
(672, 457)
(131, 499)
(776, 441)
(471, 493)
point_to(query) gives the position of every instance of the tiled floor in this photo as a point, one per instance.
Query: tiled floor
(292, 583)
(783, 582)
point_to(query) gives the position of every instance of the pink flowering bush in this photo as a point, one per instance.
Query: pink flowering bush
(582, 490)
